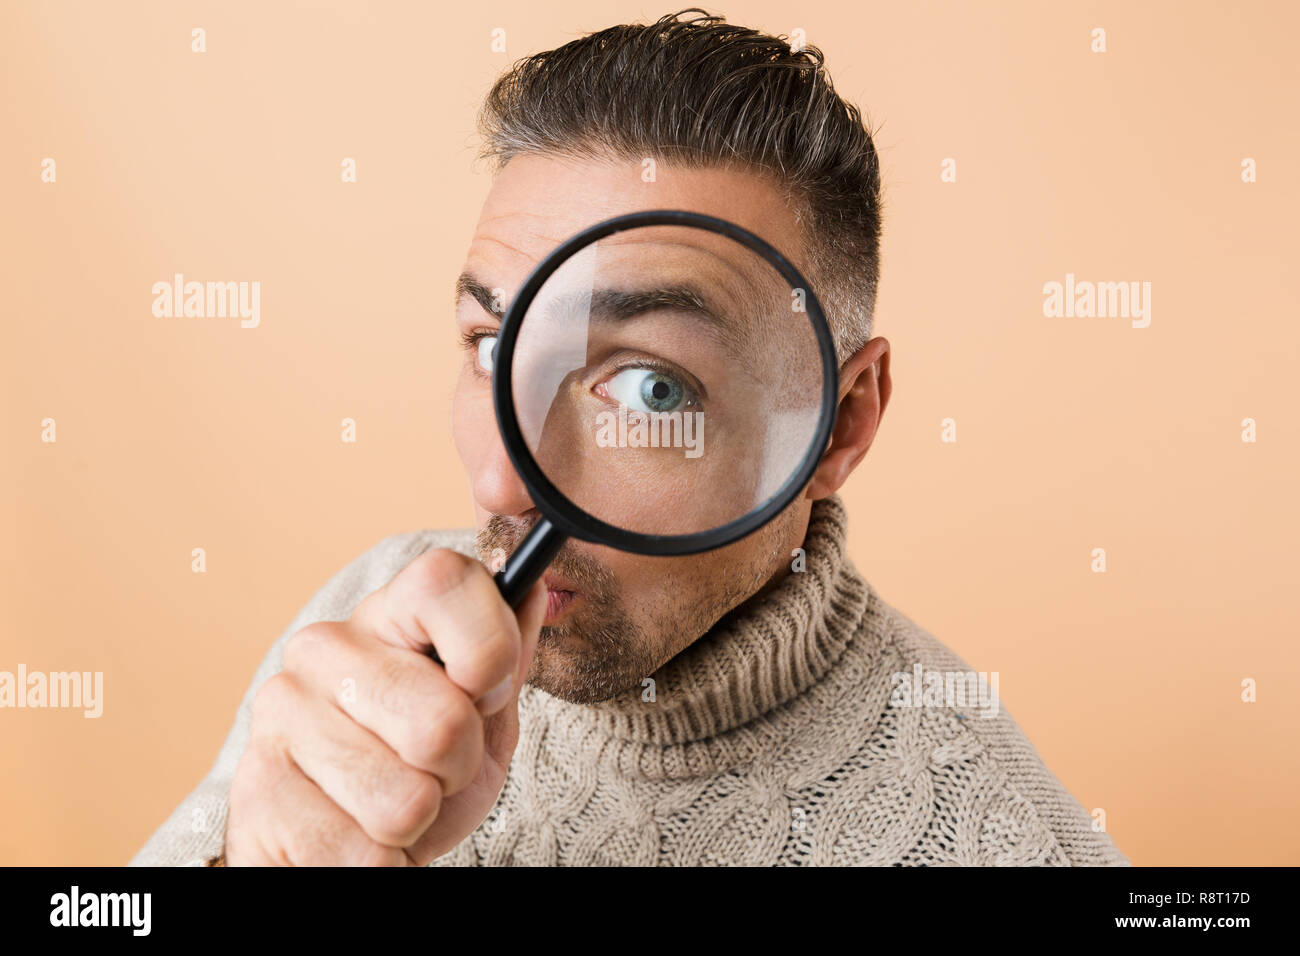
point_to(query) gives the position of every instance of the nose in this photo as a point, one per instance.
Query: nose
(497, 488)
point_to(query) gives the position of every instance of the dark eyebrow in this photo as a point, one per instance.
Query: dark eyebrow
(617, 305)
(467, 284)
(606, 303)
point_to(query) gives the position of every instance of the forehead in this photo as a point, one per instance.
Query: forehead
(539, 200)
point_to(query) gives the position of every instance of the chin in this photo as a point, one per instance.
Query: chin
(565, 667)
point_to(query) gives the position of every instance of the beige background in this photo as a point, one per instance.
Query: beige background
(1072, 433)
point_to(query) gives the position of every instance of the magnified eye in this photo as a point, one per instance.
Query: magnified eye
(647, 390)
(485, 346)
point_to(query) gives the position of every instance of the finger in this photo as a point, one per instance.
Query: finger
(293, 823)
(391, 801)
(449, 602)
(245, 844)
(463, 812)
(501, 730)
(399, 695)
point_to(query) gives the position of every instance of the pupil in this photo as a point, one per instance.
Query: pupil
(660, 390)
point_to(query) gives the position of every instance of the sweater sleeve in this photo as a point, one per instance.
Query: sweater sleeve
(194, 834)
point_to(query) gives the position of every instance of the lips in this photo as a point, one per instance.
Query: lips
(557, 602)
(560, 595)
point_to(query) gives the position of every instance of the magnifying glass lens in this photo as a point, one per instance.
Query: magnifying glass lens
(667, 380)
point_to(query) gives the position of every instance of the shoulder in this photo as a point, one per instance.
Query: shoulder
(375, 567)
(953, 714)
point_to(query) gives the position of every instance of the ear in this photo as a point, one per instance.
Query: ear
(865, 387)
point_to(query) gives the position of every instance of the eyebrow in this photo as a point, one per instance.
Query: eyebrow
(612, 304)
(618, 305)
(468, 284)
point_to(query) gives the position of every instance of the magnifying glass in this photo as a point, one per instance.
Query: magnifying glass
(665, 383)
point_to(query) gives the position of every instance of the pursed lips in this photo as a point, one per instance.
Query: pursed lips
(560, 595)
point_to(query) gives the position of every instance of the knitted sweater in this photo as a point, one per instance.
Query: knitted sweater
(779, 738)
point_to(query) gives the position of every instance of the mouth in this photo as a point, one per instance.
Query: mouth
(560, 597)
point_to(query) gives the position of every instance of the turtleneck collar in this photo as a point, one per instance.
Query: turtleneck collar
(751, 663)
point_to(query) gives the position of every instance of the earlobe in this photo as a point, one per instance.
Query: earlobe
(864, 392)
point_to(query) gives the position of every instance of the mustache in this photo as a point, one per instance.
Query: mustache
(597, 582)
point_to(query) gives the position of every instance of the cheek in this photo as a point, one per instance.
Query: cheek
(662, 583)
(473, 423)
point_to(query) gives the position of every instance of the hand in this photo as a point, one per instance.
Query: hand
(364, 751)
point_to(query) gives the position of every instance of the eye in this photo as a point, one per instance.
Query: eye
(647, 390)
(486, 345)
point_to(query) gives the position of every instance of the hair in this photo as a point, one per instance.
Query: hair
(701, 92)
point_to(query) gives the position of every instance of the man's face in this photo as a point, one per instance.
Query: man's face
(613, 617)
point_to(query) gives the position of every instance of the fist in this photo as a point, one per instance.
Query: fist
(363, 750)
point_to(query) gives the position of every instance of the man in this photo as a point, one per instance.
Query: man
(722, 708)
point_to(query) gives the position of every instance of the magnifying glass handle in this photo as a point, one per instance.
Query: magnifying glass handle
(526, 565)
(529, 561)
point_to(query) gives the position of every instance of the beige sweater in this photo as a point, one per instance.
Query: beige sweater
(776, 739)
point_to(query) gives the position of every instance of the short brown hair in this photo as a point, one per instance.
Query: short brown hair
(703, 92)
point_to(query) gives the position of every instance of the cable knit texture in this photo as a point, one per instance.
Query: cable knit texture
(770, 741)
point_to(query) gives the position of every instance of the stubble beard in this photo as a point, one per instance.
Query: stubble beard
(597, 651)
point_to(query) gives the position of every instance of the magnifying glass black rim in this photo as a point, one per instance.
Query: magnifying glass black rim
(550, 501)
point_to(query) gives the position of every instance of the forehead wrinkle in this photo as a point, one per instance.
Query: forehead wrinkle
(532, 225)
(477, 270)
(493, 240)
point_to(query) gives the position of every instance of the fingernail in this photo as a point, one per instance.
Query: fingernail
(496, 698)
